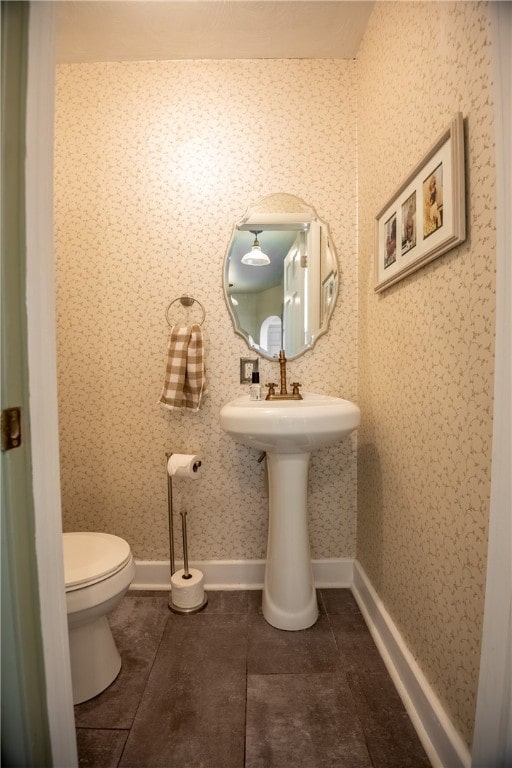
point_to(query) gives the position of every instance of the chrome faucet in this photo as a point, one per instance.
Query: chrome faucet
(283, 393)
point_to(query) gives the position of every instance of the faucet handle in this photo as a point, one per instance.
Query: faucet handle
(271, 388)
(295, 387)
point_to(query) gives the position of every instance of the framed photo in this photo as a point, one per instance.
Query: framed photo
(426, 216)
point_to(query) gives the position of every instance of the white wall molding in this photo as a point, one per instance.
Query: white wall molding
(441, 741)
(238, 574)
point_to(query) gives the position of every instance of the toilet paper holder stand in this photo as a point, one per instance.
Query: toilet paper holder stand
(176, 608)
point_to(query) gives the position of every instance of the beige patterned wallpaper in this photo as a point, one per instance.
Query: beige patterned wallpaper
(426, 347)
(155, 161)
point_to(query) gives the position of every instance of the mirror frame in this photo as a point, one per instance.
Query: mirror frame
(249, 220)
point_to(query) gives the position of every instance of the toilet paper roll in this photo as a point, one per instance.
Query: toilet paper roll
(187, 593)
(184, 465)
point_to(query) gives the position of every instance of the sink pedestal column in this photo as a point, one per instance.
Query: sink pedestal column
(289, 597)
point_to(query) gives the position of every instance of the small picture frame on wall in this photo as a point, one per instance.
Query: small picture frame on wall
(426, 216)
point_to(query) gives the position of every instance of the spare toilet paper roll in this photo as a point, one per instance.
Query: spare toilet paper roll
(187, 593)
(184, 465)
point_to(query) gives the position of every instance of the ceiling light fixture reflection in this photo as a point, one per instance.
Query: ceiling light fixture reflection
(255, 257)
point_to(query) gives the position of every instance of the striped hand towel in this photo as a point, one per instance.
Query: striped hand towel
(184, 375)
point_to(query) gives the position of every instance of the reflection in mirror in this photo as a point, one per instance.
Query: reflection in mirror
(286, 303)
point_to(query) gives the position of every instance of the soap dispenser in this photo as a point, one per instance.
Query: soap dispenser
(255, 388)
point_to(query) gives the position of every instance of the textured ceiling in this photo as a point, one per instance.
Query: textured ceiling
(127, 30)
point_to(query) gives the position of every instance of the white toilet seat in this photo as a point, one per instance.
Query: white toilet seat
(92, 557)
(98, 569)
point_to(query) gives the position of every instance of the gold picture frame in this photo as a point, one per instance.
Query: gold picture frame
(426, 216)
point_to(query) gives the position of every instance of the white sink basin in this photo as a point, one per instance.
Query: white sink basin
(289, 426)
(288, 430)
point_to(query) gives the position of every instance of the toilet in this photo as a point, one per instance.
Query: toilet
(98, 569)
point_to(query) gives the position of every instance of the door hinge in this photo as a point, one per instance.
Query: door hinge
(11, 428)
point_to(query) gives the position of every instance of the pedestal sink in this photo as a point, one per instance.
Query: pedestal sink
(288, 430)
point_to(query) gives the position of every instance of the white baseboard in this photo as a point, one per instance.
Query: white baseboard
(238, 574)
(442, 743)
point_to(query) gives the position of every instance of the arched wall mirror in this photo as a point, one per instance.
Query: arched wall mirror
(280, 276)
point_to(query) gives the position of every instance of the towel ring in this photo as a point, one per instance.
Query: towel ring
(185, 301)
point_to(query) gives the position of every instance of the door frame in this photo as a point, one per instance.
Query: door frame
(492, 739)
(42, 363)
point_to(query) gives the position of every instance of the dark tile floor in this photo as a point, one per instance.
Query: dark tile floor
(224, 689)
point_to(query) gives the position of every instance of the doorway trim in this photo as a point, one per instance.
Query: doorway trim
(42, 357)
(492, 738)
